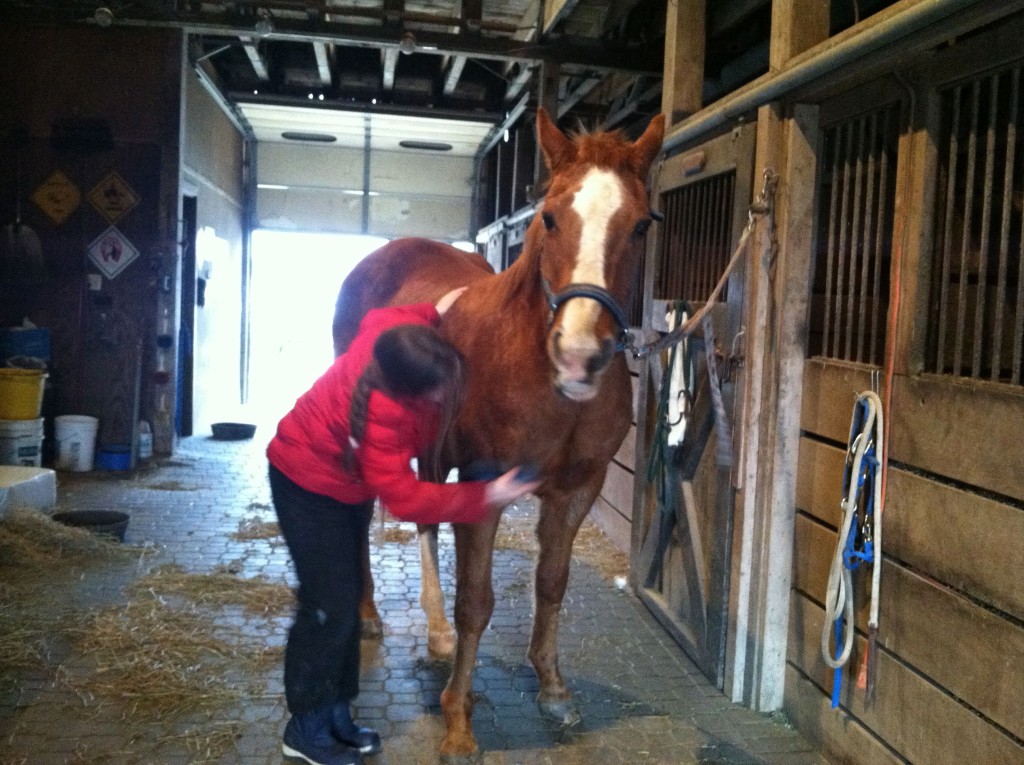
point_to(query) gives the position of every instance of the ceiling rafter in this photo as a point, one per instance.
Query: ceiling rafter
(259, 66)
(323, 63)
(454, 71)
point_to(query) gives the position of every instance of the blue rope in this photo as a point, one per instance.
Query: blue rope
(859, 545)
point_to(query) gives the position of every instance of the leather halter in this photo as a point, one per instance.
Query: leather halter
(601, 295)
(591, 292)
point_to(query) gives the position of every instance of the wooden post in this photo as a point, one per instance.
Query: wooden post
(775, 324)
(548, 98)
(683, 80)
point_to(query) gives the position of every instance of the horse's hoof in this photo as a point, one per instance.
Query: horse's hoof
(476, 758)
(562, 711)
(441, 645)
(371, 628)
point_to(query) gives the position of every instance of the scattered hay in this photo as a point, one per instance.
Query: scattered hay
(207, 745)
(515, 536)
(591, 546)
(160, 662)
(595, 549)
(257, 595)
(258, 506)
(256, 528)
(31, 540)
(36, 552)
(393, 535)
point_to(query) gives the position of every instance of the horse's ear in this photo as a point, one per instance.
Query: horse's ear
(557, 149)
(648, 146)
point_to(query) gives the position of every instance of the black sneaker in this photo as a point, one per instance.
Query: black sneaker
(308, 738)
(364, 740)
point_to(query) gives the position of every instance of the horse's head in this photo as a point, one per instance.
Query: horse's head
(589, 234)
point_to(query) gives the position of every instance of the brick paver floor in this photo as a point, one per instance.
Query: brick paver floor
(643, 701)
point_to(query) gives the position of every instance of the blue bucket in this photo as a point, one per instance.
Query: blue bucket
(114, 457)
(32, 343)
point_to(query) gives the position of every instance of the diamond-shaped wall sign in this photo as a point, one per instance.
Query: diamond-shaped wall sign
(112, 253)
(57, 196)
(113, 197)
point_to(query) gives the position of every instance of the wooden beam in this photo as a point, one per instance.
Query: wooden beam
(519, 81)
(683, 79)
(390, 63)
(547, 96)
(573, 97)
(323, 65)
(797, 25)
(782, 250)
(557, 11)
(455, 66)
(259, 66)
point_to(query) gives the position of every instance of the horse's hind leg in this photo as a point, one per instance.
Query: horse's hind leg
(560, 519)
(440, 634)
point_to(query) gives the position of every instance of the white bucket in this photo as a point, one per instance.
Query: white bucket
(75, 435)
(21, 442)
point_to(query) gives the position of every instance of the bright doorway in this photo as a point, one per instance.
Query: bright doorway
(295, 283)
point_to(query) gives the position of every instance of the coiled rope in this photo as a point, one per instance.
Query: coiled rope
(862, 501)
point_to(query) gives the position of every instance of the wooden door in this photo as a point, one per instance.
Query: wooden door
(681, 555)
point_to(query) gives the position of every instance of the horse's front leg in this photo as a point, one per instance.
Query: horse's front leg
(560, 519)
(440, 634)
(474, 604)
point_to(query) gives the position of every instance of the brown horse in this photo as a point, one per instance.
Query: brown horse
(546, 385)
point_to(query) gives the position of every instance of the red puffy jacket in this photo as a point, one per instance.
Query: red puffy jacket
(310, 439)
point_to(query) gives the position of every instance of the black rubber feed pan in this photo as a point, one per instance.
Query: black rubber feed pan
(233, 431)
(108, 522)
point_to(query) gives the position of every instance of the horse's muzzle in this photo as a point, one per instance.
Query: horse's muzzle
(578, 367)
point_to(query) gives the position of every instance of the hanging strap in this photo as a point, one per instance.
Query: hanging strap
(856, 544)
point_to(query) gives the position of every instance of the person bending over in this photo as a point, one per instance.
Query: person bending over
(349, 440)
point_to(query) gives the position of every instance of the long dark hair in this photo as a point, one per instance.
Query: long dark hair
(409, 361)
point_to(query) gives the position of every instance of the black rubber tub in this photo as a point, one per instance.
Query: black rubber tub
(111, 523)
(233, 431)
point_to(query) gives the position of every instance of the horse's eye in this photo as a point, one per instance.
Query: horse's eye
(549, 221)
(641, 227)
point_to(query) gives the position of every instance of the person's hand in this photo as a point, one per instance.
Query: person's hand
(508, 487)
(448, 299)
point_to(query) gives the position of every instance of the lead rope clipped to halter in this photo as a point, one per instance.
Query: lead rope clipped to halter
(760, 206)
(860, 540)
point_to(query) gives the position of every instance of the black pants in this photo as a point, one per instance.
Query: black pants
(321, 664)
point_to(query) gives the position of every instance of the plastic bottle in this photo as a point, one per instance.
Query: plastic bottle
(145, 441)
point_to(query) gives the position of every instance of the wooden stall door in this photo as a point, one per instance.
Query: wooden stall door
(681, 555)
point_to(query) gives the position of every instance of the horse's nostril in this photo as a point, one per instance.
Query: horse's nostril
(599, 361)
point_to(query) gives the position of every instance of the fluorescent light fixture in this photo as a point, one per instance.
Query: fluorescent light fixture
(274, 186)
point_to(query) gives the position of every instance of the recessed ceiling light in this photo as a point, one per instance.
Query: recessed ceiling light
(314, 137)
(426, 145)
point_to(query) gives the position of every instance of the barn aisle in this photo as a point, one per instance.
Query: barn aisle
(97, 631)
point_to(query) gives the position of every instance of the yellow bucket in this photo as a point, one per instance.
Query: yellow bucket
(21, 393)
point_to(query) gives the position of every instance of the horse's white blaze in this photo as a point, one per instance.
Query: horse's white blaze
(596, 202)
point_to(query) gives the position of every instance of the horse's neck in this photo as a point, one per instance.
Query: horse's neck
(520, 283)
